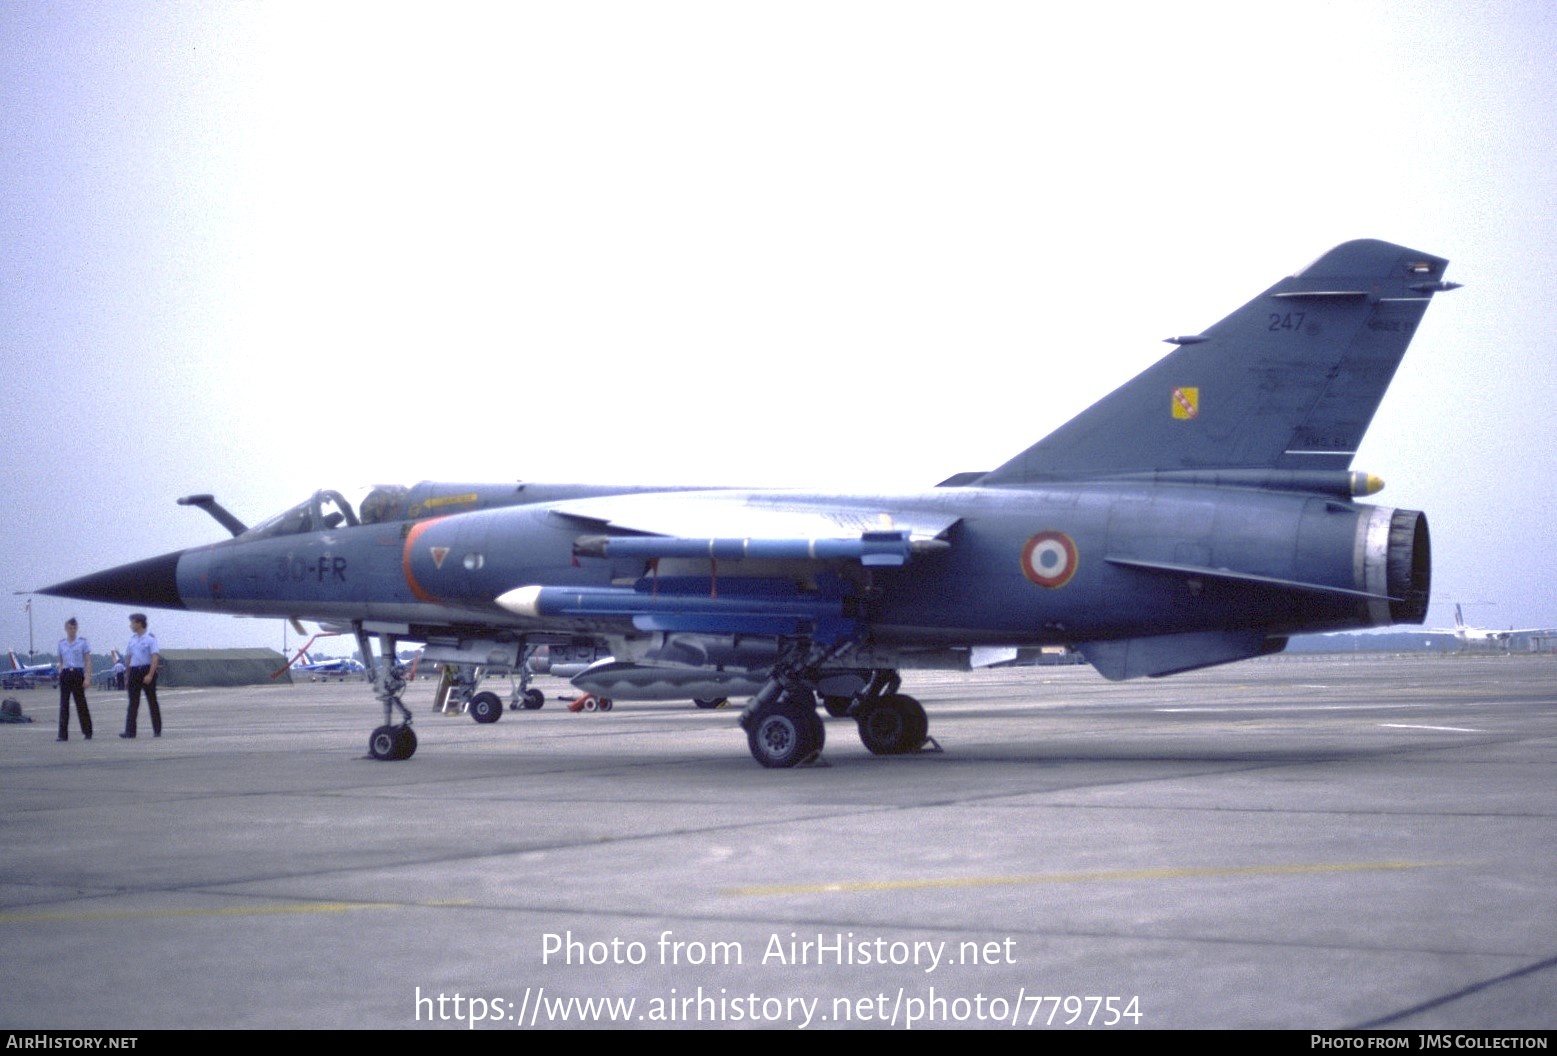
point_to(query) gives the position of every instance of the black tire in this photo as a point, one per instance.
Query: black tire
(485, 707)
(786, 735)
(407, 746)
(606, 705)
(893, 725)
(384, 744)
(710, 702)
(533, 700)
(837, 707)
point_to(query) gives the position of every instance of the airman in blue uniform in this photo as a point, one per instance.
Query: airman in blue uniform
(142, 656)
(75, 671)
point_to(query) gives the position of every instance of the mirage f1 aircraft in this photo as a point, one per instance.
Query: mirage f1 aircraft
(1199, 514)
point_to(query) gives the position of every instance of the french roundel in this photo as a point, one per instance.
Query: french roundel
(1049, 559)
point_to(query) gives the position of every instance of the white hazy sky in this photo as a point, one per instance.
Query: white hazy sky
(261, 248)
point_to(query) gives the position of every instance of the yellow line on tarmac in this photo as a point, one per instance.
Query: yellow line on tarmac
(1079, 878)
(217, 911)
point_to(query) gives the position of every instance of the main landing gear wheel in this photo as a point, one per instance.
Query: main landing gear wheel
(485, 707)
(893, 725)
(533, 699)
(390, 743)
(786, 734)
(710, 702)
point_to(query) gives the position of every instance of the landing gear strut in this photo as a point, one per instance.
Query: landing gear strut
(390, 741)
(525, 696)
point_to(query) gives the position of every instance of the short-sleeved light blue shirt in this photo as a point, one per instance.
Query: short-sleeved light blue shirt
(74, 653)
(141, 649)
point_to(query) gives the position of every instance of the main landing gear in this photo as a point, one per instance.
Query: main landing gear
(783, 728)
(891, 723)
(787, 732)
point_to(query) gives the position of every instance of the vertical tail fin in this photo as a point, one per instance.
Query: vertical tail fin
(1289, 381)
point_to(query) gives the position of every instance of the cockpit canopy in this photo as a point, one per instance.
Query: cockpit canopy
(328, 509)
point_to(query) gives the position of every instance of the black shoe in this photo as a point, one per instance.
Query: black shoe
(157, 734)
(86, 736)
(128, 736)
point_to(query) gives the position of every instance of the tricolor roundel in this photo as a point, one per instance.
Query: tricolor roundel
(1049, 559)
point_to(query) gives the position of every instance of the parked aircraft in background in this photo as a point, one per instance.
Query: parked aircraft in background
(338, 668)
(1472, 636)
(26, 676)
(110, 675)
(1199, 514)
(321, 669)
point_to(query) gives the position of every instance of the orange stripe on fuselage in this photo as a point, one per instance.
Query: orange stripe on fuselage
(405, 559)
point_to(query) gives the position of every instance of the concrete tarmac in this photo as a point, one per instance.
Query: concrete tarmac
(1290, 842)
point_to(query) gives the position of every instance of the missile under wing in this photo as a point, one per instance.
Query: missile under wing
(1200, 514)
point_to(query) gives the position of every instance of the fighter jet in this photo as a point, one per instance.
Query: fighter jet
(1200, 514)
(319, 669)
(26, 676)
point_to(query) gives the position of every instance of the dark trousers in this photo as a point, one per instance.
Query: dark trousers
(72, 683)
(139, 681)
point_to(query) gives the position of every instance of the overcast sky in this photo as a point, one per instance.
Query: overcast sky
(258, 249)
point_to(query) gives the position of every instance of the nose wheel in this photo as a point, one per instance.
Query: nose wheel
(390, 743)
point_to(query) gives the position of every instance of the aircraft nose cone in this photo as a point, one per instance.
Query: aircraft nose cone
(152, 583)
